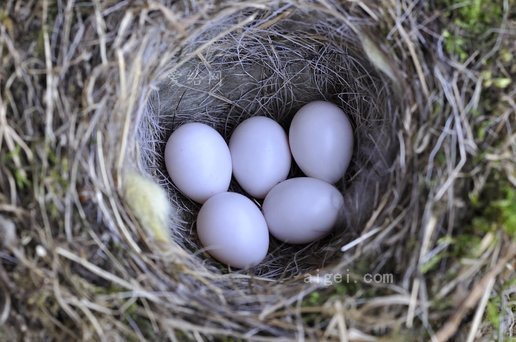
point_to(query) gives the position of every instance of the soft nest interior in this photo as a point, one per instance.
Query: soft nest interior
(273, 67)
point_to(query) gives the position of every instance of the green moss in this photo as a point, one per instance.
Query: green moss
(6, 21)
(59, 167)
(498, 82)
(470, 19)
(440, 158)
(476, 16)
(481, 131)
(341, 290)
(494, 307)
(502, 82)
(469, 245)
(314, 299)
(20, 175)
(505, 209)
(492, 210)
(455, 45)
(21, 179)
(493, 312)
(433, 262)
(506, 55)
(496, 207)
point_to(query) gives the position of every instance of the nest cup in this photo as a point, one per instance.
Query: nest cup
(265, 63)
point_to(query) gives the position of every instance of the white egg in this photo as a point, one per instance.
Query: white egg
(198, 161)
(233, 230)
(302, 210)
(260, 154)
(321, 141)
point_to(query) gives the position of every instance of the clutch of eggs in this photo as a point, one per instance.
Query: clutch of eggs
(230, 226)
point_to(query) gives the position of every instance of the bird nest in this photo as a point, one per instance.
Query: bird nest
(271, 63)
(116, 79)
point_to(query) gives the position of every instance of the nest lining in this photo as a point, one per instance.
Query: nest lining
(273, 71)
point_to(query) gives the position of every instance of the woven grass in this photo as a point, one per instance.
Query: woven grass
(90, 91)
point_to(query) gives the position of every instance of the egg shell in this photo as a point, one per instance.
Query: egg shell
(321, 140)
(198, 161)
(260, 154)
(302, 210)
(233, 230)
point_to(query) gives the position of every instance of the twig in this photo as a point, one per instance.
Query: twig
(450, 328)
(480, 311)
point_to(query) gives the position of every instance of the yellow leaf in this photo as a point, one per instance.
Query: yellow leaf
(149, 204)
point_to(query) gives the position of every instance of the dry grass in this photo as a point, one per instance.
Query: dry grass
(89, 90)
